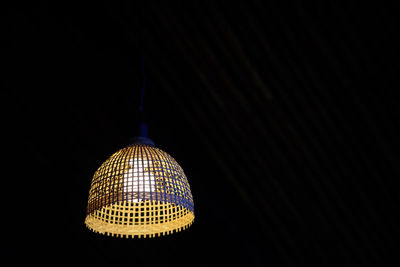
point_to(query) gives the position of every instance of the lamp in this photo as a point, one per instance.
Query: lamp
(140, 191)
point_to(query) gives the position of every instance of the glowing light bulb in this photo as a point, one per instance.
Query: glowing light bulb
(138, 178)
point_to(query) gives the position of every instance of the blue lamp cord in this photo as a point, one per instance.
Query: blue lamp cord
(142, 61)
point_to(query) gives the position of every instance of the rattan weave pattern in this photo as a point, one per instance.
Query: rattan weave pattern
(140, 191)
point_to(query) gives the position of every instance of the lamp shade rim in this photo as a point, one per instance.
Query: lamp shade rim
(115, 220)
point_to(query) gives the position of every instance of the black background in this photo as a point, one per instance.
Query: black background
(283, 115)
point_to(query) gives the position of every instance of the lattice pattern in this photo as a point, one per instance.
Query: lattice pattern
(139, 191)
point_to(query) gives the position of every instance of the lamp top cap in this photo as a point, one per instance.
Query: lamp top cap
(141, 140)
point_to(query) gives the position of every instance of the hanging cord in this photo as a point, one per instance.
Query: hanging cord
(142, 61)
(142, 136)
(143, 129)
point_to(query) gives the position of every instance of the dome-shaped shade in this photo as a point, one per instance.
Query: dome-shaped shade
(139, 191)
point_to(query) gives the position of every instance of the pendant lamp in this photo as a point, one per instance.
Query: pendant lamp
(140, 190)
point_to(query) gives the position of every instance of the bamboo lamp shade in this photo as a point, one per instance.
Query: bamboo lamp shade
(140, 191)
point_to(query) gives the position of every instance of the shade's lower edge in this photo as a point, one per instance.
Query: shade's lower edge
(131, 231)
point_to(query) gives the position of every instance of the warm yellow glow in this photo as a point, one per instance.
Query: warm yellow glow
(137, 226)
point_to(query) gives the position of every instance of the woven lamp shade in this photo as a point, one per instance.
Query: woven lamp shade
(140, 191)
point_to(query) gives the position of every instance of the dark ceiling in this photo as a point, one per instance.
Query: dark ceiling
(283, 115)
